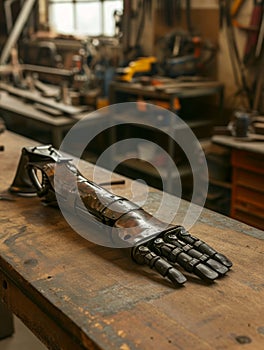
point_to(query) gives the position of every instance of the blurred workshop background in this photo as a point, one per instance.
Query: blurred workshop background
(203, 60)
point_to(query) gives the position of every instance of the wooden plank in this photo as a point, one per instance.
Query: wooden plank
(250, 179)
(251, 197)
(17, 106)
(249, 214)
(66, 73)
(248, 160)
(31, 96)
(101, 299)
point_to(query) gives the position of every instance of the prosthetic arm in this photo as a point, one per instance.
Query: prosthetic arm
(152, 242)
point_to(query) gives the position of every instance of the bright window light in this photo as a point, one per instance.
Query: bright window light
(84, 16)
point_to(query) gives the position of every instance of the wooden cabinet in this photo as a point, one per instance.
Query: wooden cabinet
(220, 187)
(248, 187)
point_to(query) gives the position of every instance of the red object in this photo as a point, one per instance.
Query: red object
(253, 35)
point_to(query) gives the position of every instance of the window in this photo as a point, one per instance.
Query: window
(86, 17)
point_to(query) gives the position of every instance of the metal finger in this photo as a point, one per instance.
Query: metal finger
(143, 255)
(200, 245)
(5, 197)
(190, 250)
(177, 255)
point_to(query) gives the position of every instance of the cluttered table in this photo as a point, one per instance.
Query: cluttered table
(24, 110)
(74, 294)
(167, 89)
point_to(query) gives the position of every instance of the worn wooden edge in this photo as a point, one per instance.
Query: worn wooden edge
(60, 334)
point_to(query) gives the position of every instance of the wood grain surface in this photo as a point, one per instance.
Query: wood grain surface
(74, 294)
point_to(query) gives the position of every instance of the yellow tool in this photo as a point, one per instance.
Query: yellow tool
(139, 66)
(236, 7)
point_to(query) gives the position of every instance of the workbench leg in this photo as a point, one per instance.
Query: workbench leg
(6, 322)
(221, 101)
(57, 137)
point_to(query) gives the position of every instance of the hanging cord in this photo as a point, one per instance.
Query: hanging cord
(238, 66)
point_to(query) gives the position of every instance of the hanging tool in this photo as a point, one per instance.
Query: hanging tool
(259, 83)
(148, 8)
(8, 14)
(141, 21)
(239, 69)
(17, 29)
(255, 23)
(169, 13)
(178, 10)
(126, 24)
(188, 16)
(236, 6)
(260, 38)
(253, 29)
(171, 10)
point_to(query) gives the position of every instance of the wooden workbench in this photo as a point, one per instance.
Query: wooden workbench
(75, 295)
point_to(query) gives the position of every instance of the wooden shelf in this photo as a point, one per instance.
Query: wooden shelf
(147, 168)
(219, 183)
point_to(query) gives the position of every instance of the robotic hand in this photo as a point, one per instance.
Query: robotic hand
(176, 245)
(151, 241)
